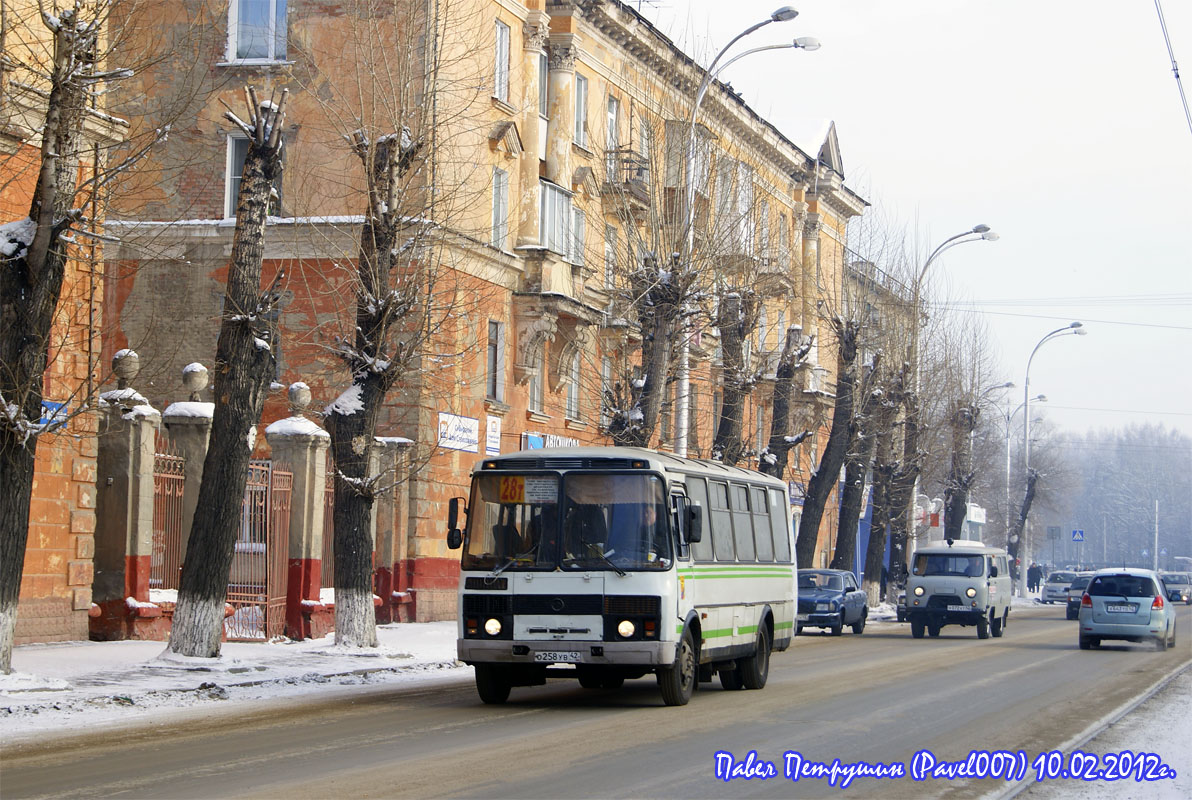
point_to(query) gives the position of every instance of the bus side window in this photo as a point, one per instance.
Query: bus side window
(761, 524)
(697, 494)
(720, 522)
(679, 516)
(742, 524)
(779, 527)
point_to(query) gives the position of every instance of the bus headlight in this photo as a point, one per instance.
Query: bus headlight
(971, 592)
(492, 626)
(625, 628)
(918, 591)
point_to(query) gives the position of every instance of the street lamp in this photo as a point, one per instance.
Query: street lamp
(1073, 328)
(783, 14)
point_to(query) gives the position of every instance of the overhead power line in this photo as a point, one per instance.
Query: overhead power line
(1175, 69)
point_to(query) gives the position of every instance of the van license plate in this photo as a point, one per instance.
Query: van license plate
(558, 657)
(1122, 609)
(957, 608)
(800, 617)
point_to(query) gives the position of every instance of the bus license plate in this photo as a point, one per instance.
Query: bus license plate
(957, 608)
(558, 656)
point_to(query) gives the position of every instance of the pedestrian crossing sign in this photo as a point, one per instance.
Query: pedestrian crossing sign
(1078, 535)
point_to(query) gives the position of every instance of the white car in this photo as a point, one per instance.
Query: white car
(1055, 588)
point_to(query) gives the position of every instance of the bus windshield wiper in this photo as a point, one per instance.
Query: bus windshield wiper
(513, 560)
(600, 552)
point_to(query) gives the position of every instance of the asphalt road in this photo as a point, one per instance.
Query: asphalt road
(878, 697)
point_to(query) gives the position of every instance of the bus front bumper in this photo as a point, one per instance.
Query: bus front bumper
(473, 651)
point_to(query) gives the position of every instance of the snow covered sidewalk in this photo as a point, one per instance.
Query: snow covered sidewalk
(62, 686)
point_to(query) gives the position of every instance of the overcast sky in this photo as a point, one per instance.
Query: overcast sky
(1058, 124)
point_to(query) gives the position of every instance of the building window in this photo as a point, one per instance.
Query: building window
(555, 218)
(543, 87)
(257, 30)
(760, 441)
(234, 173)
(612, 138)
(610, 256)
(501, 78)
(581, 110)
(761, 329)
(500, 208)
(606, 386)
(578, 230)
(495, 370)
(573, 388)
(536, 400)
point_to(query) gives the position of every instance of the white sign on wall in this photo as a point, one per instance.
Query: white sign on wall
(492, 436)
(459, 433)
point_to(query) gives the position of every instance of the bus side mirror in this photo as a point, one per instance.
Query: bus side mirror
(455, 537)
(695, 523)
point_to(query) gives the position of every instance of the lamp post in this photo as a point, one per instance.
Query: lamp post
(783, 14)
(1074, 328)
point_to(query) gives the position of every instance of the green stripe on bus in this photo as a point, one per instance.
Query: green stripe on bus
(778, 626)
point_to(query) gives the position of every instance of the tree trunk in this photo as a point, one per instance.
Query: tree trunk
(875, 554)
(862, 436)
(960, 475)
(773, 461)
(819, 488)
(374, 361)
(244, 368)
(1028, 498)
(902, 492)
(731, 320)
(31, 279)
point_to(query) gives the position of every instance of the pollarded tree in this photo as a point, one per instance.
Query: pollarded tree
(244, 367)
(783, 438)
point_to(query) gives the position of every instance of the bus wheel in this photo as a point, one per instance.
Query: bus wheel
(982, 627)
(917, 628)
(756, 669)
(492, 683)
(612, 682)
(730, 679)
(995, 626)
(677, 681)
(590, 678)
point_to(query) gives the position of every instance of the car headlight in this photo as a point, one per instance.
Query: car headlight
(971, 592)
(492, 626)
(918, 591)
(625, 629)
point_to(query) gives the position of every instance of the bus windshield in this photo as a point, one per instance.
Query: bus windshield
(597, 522)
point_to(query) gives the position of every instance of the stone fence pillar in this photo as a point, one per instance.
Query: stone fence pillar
(124, 511)
(188, 425)
(302, 445)
(391, 518)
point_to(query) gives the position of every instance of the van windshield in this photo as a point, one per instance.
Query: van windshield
(949, 564)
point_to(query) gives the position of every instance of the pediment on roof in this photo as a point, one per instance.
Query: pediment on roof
(829, 152)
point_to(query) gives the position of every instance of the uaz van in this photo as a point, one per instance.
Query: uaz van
(958, 583)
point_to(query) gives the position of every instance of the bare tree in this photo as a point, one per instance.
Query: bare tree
(783, 438)
(244, 368)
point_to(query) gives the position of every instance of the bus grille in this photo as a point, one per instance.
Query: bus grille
(557, 604)
(621, 605)
(487, 604)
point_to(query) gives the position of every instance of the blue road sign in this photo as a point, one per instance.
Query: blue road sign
(1078, 535)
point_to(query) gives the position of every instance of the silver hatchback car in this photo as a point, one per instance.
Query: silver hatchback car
(1128, 605)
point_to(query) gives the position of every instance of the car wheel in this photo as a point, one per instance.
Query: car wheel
(492, 683)
(798, 629)
(983, 627)
(859, 625)
(836, 629)
(730, 679)
(677, 681)
(1161, 643)
(1070, 614)
(756, 668)
(916, 629)
(1085, 643)
(995, 624)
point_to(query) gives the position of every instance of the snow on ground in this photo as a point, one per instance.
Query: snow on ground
(1162, 725)
(67, 685)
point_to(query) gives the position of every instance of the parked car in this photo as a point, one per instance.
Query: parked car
(830, 598)
(1075, 592)
(1055, 588)
(1126, 605)
(1181, 582)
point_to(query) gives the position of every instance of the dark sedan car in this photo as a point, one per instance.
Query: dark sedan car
(830, 598)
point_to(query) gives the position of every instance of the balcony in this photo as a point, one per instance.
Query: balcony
(627, 175)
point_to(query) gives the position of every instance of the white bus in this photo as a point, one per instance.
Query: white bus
(608, 563)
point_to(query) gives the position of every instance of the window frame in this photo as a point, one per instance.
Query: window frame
(501, 61)
(572, 408)
(234, 39)
(500, 211)
(554, 218)
(580, 134)
(494, 378)
(536, 389)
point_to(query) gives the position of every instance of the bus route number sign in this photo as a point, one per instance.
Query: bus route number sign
(528, 489)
